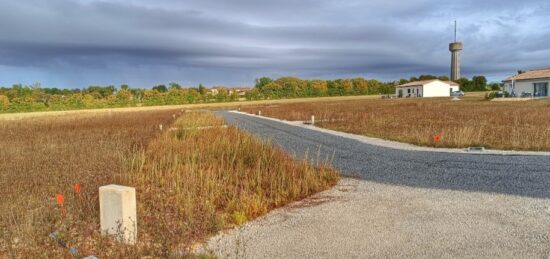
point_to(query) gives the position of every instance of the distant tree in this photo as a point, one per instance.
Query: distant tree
(426, 77)
(174, 86)
(290, 86)
(124, 87)
(54, 91)
(494, 86)
(374, 86)
(21, 91)
(333, 88)
(124, 95)
(253, 94)
(222, 94)
(479, 83)
(160, 88)
(319, 87)
(272, 89)
(465, 84)
(193, 95)
(347, 87)
(202, 90)
(4, 103)
(403, 81)
(360, 86)
(39, 95)
(262, 81)
(137, 93)
(443, 78)
(100, 92)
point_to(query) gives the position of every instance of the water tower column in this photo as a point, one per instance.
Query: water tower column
(455, 49)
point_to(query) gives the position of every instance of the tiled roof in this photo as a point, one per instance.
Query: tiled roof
(531, 74)
(424, 82)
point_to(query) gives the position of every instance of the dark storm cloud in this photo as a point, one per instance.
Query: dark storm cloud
(76, 43)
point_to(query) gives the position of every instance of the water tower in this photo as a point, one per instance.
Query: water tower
(455, 49)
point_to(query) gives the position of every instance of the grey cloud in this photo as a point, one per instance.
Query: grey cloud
(232, 42)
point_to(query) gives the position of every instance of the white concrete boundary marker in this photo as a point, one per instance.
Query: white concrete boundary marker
(117, 208)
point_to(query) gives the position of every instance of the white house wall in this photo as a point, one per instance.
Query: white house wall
(437, 89)
(524, 86)
(416, 91)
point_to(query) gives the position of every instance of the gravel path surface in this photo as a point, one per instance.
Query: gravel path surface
(400, 204)
(507, 174)
(361, 219)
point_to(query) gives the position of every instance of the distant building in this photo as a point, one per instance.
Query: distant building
(241, 91)
(213, 91)
(426, 88)
(528, 83)
(455, 48)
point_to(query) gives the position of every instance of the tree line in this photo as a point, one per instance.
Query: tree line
(22, 98)
(289, 87)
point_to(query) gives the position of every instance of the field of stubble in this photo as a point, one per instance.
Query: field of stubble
(191, 181)
(436, 122)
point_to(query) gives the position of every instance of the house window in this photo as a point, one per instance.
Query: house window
(540, 89)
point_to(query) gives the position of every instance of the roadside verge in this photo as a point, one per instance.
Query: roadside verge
(399, 145)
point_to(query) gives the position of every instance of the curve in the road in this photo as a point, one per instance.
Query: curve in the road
(512, 174)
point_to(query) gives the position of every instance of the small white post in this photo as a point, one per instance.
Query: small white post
(160, 127)
(117, 209)
(312, 120)
(259, 113)
(173, 116)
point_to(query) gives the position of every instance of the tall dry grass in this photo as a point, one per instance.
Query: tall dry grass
(190, 182)
(42, 157)
(203, 178)
(470, 122)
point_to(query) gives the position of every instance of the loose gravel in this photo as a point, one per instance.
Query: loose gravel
(523, 175)
(399, 203)
(361, 219)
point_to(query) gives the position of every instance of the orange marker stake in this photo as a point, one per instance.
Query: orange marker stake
(437, 138)
(60, 199)
(77, 191)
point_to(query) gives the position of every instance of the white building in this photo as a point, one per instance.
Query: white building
(426, 88)
(530, 83)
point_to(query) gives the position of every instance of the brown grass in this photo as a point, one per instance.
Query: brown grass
(470, 122)
(190, 182)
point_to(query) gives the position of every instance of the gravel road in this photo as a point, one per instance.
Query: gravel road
(399, 204)
(507, 174)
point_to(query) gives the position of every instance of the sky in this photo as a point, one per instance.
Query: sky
(77, 43)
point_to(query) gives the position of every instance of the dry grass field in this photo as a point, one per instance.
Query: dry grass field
(470, 122)
(23, 115)
(190, 182)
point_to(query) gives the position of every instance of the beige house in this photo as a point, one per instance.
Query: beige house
(426, 88)
(528, 83)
